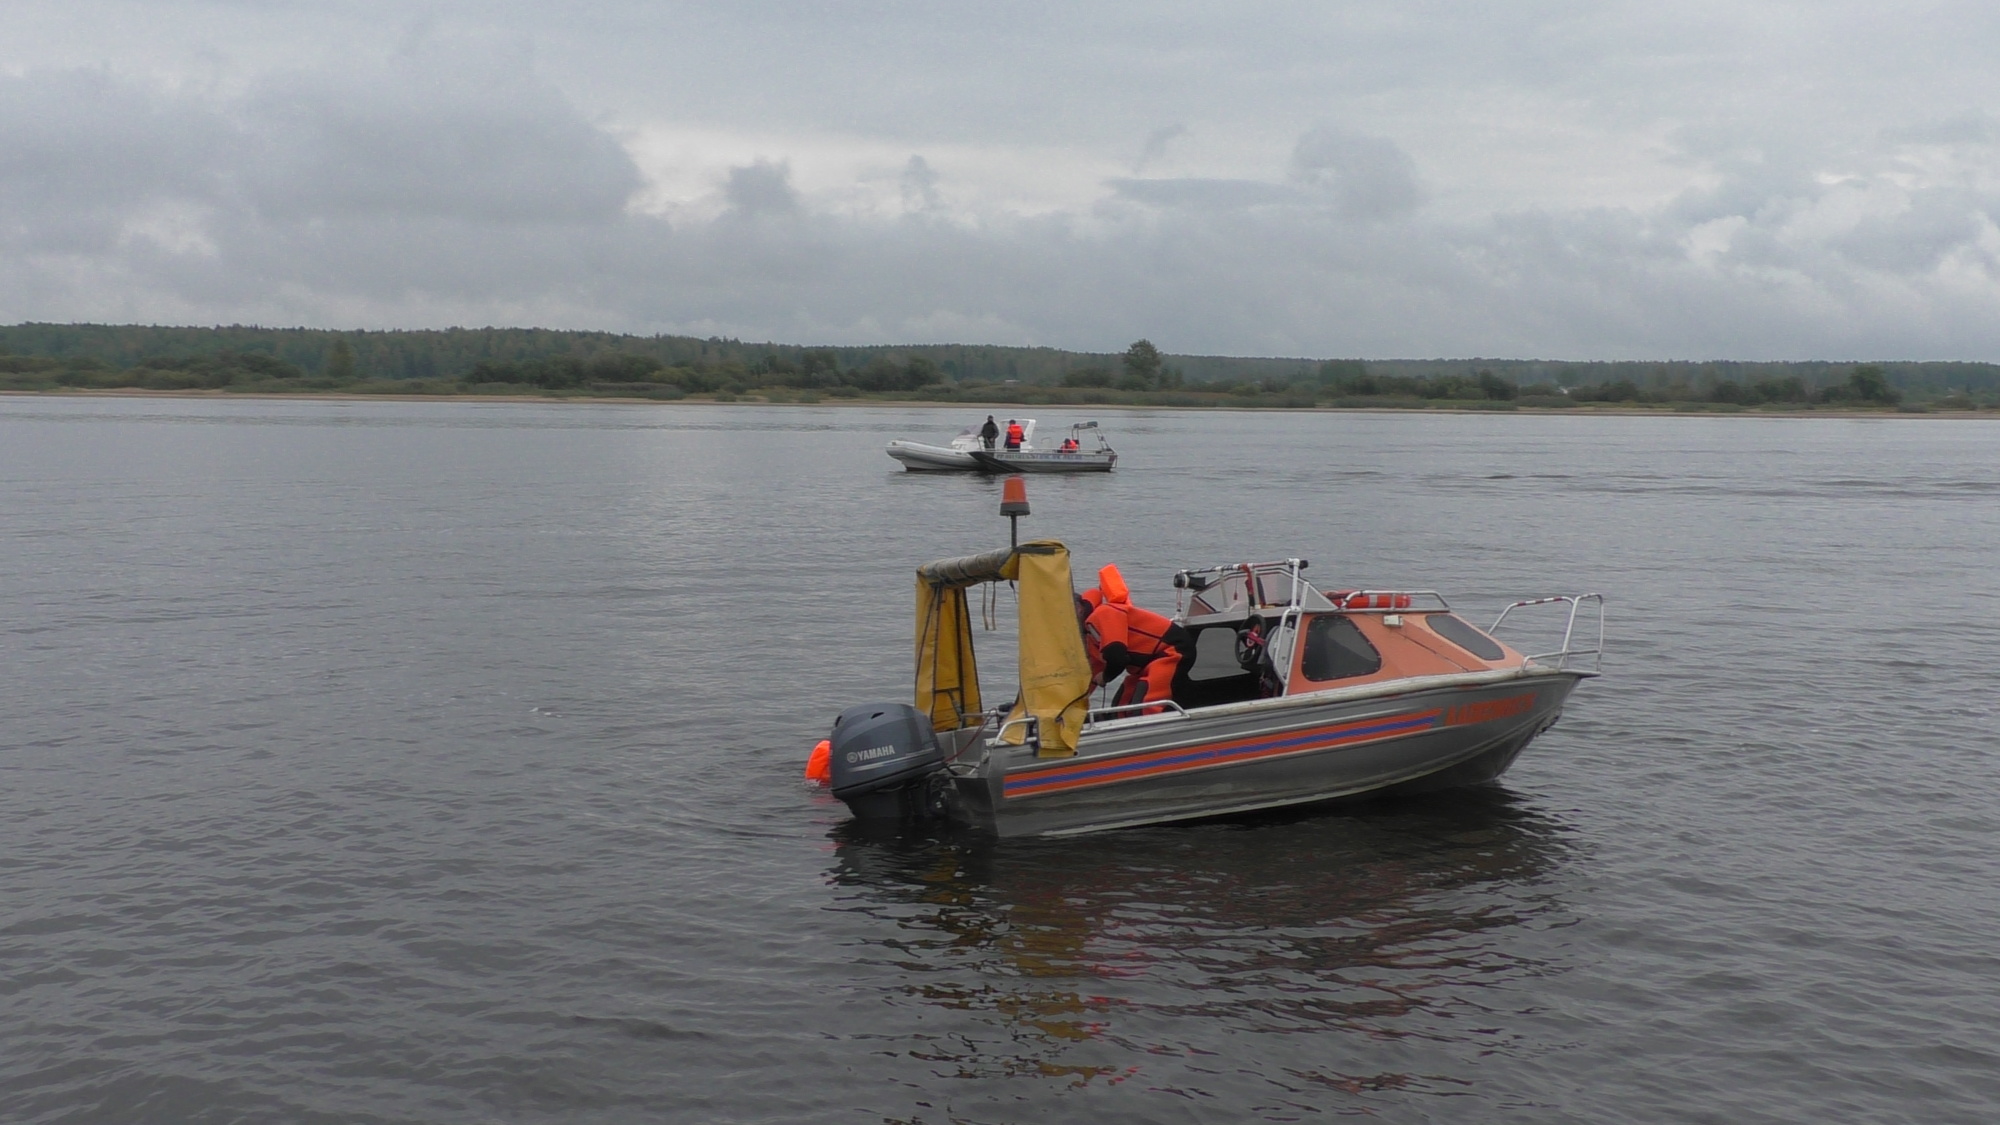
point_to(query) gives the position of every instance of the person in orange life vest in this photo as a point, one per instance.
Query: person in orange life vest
(1069, 445)
(1103, 636)
(1015, 434)
(1136, 641)
(1151, 659)
(1093, 643)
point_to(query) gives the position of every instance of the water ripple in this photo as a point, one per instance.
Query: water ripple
(433, 762)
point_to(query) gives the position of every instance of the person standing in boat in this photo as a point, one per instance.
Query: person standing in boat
(1015, 435)
(989, 433)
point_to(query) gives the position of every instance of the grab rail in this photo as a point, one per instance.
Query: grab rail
(1032, 740)
(1562, 656)
(1099, 714)
(986, 719)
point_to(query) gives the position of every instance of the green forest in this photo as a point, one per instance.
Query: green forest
(545, 362)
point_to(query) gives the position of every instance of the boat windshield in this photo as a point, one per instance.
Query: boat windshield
(1247, 586)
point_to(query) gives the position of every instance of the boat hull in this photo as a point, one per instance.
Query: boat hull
(1269, 754)
(1045, 461)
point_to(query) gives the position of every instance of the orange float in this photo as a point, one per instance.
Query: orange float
(819, 766)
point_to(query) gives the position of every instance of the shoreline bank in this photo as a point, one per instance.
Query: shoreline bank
(1580, 410)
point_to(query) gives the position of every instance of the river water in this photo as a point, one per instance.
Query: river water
(439, 762)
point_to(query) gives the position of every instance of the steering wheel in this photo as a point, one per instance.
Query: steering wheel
(1250, 644)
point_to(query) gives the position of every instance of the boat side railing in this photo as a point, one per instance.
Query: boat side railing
(1561, 657)
(1127, 710)
(1031, 738)
(968, 742)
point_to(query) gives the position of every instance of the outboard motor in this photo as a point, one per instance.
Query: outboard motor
(883, 757)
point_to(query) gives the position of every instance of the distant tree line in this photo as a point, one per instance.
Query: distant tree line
(624, 370)
(1866, 385)
(456, 352)
(1141, 368)
(1352, 377)
(543, 361)
(163, 373)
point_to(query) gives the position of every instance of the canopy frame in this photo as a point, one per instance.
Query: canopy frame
(1054, 670)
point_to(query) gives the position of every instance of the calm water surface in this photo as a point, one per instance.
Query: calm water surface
(382, 762)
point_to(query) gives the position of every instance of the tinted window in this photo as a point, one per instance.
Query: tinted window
(1459, 632)
(1336, 650)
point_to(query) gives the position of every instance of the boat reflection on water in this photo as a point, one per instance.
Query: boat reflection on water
(1134, 953)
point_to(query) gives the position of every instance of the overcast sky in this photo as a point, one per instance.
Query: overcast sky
(1561, 179)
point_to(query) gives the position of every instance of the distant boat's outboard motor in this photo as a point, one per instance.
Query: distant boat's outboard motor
(883, 757)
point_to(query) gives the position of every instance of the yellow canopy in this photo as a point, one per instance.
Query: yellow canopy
(1055, 673)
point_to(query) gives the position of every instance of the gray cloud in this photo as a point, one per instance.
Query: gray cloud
(1916, 239)
(431, 133)
(920, 186)
(1204, 194)
(762, 188)
(1972, 127)
(456, 181)
(1370, 176)
(1156, 146)
(82, 151)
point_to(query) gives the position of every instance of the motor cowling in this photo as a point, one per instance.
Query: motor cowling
(883, 757)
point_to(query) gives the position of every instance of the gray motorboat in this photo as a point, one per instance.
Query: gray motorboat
(1085, 450)
(1284, 695)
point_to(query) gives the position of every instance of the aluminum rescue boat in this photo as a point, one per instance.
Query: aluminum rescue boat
(968, 454)
(1284, 696)
(1071, 456)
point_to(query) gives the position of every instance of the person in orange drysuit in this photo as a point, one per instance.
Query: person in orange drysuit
(1122, 637)
(1093, 644)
